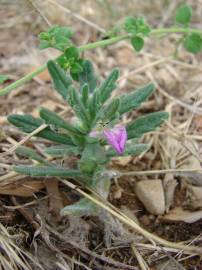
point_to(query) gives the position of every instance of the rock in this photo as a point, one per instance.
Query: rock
(151, 194)
(169, 184)
(194, 197)
(178, 214)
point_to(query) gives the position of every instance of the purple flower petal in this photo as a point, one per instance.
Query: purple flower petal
(117, 137)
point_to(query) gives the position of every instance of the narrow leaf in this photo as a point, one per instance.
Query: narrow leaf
(52, 118)
(46, 171)
(88, 76)
(108, 86)
(62, 150)
(60, 79)
(84, 207)
(28, 124)
(145, 124)
(130, 150)
(133, 100)
(30, 153)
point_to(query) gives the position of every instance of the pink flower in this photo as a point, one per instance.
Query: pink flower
(117, 137)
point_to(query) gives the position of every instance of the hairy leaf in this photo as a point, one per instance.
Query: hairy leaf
(62, 150)
(28, 124)
(84, 207)
(106, 88)
(30, 153)
(46, 171)
(134, 100)
(145, 124)
(61, 80)
(88, 76)
(53, 119)
(130, 150)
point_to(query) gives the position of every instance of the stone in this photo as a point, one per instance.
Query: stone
(151, 194)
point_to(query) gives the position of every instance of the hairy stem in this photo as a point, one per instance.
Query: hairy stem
(101, 43)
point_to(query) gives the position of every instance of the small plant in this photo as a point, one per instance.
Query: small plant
(95, 137)
(98, 134)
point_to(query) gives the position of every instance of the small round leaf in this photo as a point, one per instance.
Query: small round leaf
(193, 43)
(137, 43)
(183, 14)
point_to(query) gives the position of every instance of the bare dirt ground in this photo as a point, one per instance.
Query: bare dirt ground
(32, 235)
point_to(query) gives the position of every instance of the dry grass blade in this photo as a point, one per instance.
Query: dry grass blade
(12, 256)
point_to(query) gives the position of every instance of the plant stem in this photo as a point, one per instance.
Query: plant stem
(101, 43)
(83, 48)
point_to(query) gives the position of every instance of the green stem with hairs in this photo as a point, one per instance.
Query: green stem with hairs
(89, 46)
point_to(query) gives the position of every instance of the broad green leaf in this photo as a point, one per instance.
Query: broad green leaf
(130, 150)
(30, 153)
(47, 171)
(61, 80)
(144, 124)
(28, 123)
(183, 14)
(3, 78)
(51, 118)
(62, 150)
(109, 84)
(134, 99)
(193, 43)
(137, 43)
(84, 207)
(88, 76)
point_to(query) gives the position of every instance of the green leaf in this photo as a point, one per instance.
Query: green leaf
(30, 153)
(62, 150)
(28, 123)
(137, 43)
(88, 76)
(130, 25)
(60, 79)
(183, 14)
(135, 26)
(133, 100)
(93, 155)
(51, 118)
(84, 207)
(144, 124)
(3, 78)
(108, 112)
(109, 84)
(85, 94)
(76, 68)
(71, 53)
(47, 171)
(56, 37)
(94, 104)
(130, 150)
(193, 43)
